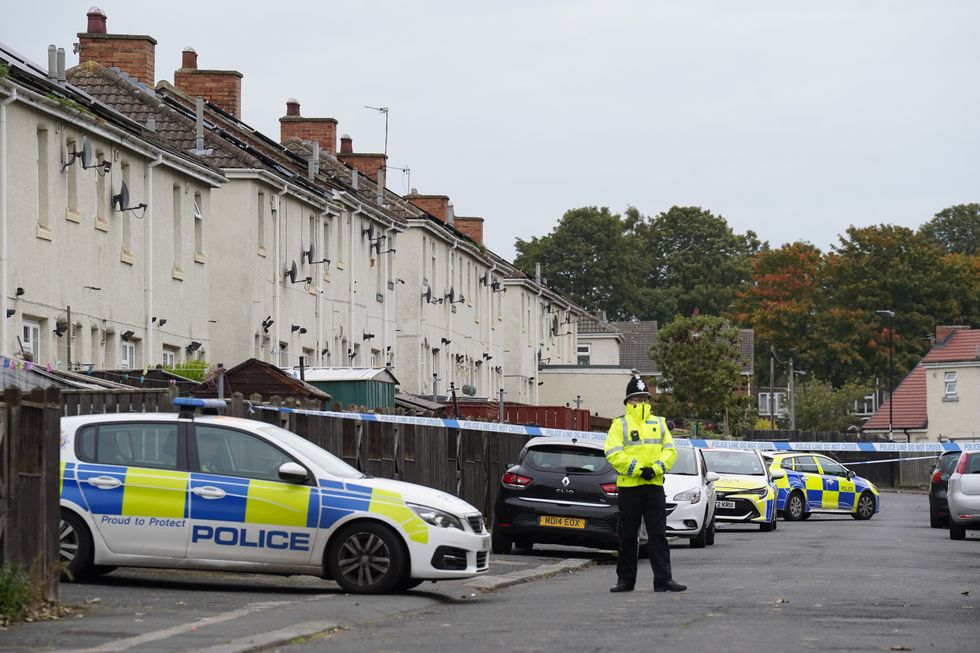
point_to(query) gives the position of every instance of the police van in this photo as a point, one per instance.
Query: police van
(222, 493)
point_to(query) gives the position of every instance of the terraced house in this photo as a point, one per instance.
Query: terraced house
(147, 223)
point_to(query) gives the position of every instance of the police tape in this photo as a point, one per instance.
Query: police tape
(536, 431)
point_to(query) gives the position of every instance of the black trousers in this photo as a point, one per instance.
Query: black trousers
(645, 502)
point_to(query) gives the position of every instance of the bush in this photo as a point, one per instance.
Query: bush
(15, 594)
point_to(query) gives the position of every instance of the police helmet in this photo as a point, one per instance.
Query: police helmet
(637, 387)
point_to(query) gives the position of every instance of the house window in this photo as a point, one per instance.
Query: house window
(375, 358)
(198, 229)
(127, 355)
(584, 354)
(261, 223)
(31, 336)
(177, 226)
(778, 404)
(950, 393)
(42, 177)
(169, 357)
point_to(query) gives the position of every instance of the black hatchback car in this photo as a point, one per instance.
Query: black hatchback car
(938, 481)
(559, 492)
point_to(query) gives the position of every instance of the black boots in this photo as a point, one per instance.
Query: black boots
(670, 585)
(621, 586)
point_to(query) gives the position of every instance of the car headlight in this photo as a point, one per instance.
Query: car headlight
(755, 492)
(436, 517)
(690, 495)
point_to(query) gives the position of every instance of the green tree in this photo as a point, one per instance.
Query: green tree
(590, 258)
(820, 407)
(692, 262)
(956, 229)
(700, 364)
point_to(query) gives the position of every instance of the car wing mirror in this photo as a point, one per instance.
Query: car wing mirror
(851, 473)
(293, 473)
(711, 477)
(778, 474)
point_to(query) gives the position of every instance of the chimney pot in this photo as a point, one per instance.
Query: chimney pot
(188, 58)
(292, 107)
(346, 144)
(96, 21)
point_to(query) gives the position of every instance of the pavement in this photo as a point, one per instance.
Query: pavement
(156, 610)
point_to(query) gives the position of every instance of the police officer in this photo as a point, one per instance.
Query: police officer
(641, 450)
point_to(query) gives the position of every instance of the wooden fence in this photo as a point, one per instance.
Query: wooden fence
(466, 463)
(88, 402)
(29, 484)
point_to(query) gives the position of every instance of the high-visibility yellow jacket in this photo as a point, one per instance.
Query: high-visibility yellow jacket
(637, 440)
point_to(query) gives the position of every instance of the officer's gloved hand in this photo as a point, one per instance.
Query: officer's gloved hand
(647, 473)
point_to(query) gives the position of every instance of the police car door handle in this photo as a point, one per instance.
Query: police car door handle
(209, 492)
(105, 482)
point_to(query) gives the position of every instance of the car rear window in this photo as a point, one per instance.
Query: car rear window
(566, 458)
(948, 462)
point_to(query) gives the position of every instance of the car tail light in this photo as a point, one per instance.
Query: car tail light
(937, 476)
(610, 489)
(515, 481)
(961, 464)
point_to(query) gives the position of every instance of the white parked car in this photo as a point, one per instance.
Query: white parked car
(221, 493)
(690, 491)
(963, 495)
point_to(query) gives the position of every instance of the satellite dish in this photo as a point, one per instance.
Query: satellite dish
(311, 253)
(468, 390)
(122, 199)
(291, 272)
(86, 153)
(427, 295)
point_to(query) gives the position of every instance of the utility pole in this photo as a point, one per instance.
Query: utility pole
(772, 388)
(792, 397)
(891, 351)
(500, 406)
(71, 331)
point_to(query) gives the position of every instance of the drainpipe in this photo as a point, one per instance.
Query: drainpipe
(451, 359)
(385, 275)
(277, 275)
(350, 288)
(318, 275)
(489, 321)
(148, 270)
(4, 247)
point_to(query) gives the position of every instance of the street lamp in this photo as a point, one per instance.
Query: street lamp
(891, 350)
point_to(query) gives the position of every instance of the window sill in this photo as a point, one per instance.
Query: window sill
(340, 265)
(126, 257)
(260, 250)
(177, 273)
(951, 398)
(199, 257)
(73, 216)
(101, 225)
(43, 233)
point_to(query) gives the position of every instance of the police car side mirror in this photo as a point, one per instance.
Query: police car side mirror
(293, 473)
(711, 477)
(778, 474)
(851, 473)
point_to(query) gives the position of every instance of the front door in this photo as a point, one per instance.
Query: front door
(240, 510)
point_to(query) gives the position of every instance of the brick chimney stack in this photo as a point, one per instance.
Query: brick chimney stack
(321, 130)
(133, 54)
(369, 164)
(472, 228)
(437, 205)
(220, 87)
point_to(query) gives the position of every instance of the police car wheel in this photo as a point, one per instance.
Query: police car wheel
(806, 516)
(795, 507)
(865, 507)
(367, 558)
(75, 546)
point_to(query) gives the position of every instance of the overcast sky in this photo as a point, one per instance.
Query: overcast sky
(792, 119)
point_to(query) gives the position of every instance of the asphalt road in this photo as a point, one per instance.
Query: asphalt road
(830, 583)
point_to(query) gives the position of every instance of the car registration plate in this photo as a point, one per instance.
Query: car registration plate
(561, 522)
(724, 504)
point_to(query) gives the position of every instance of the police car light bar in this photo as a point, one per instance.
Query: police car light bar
(192, 402)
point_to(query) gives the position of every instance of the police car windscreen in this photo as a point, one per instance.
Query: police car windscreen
(320, 456)
(686, 463)
(734, 462)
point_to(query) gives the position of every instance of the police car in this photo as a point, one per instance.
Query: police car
(816, 483)
(745, 492)
(222, 493)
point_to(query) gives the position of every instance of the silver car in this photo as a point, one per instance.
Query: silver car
(963, 495)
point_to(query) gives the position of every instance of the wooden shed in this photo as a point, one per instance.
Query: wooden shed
(370, 387)
(255, 376)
